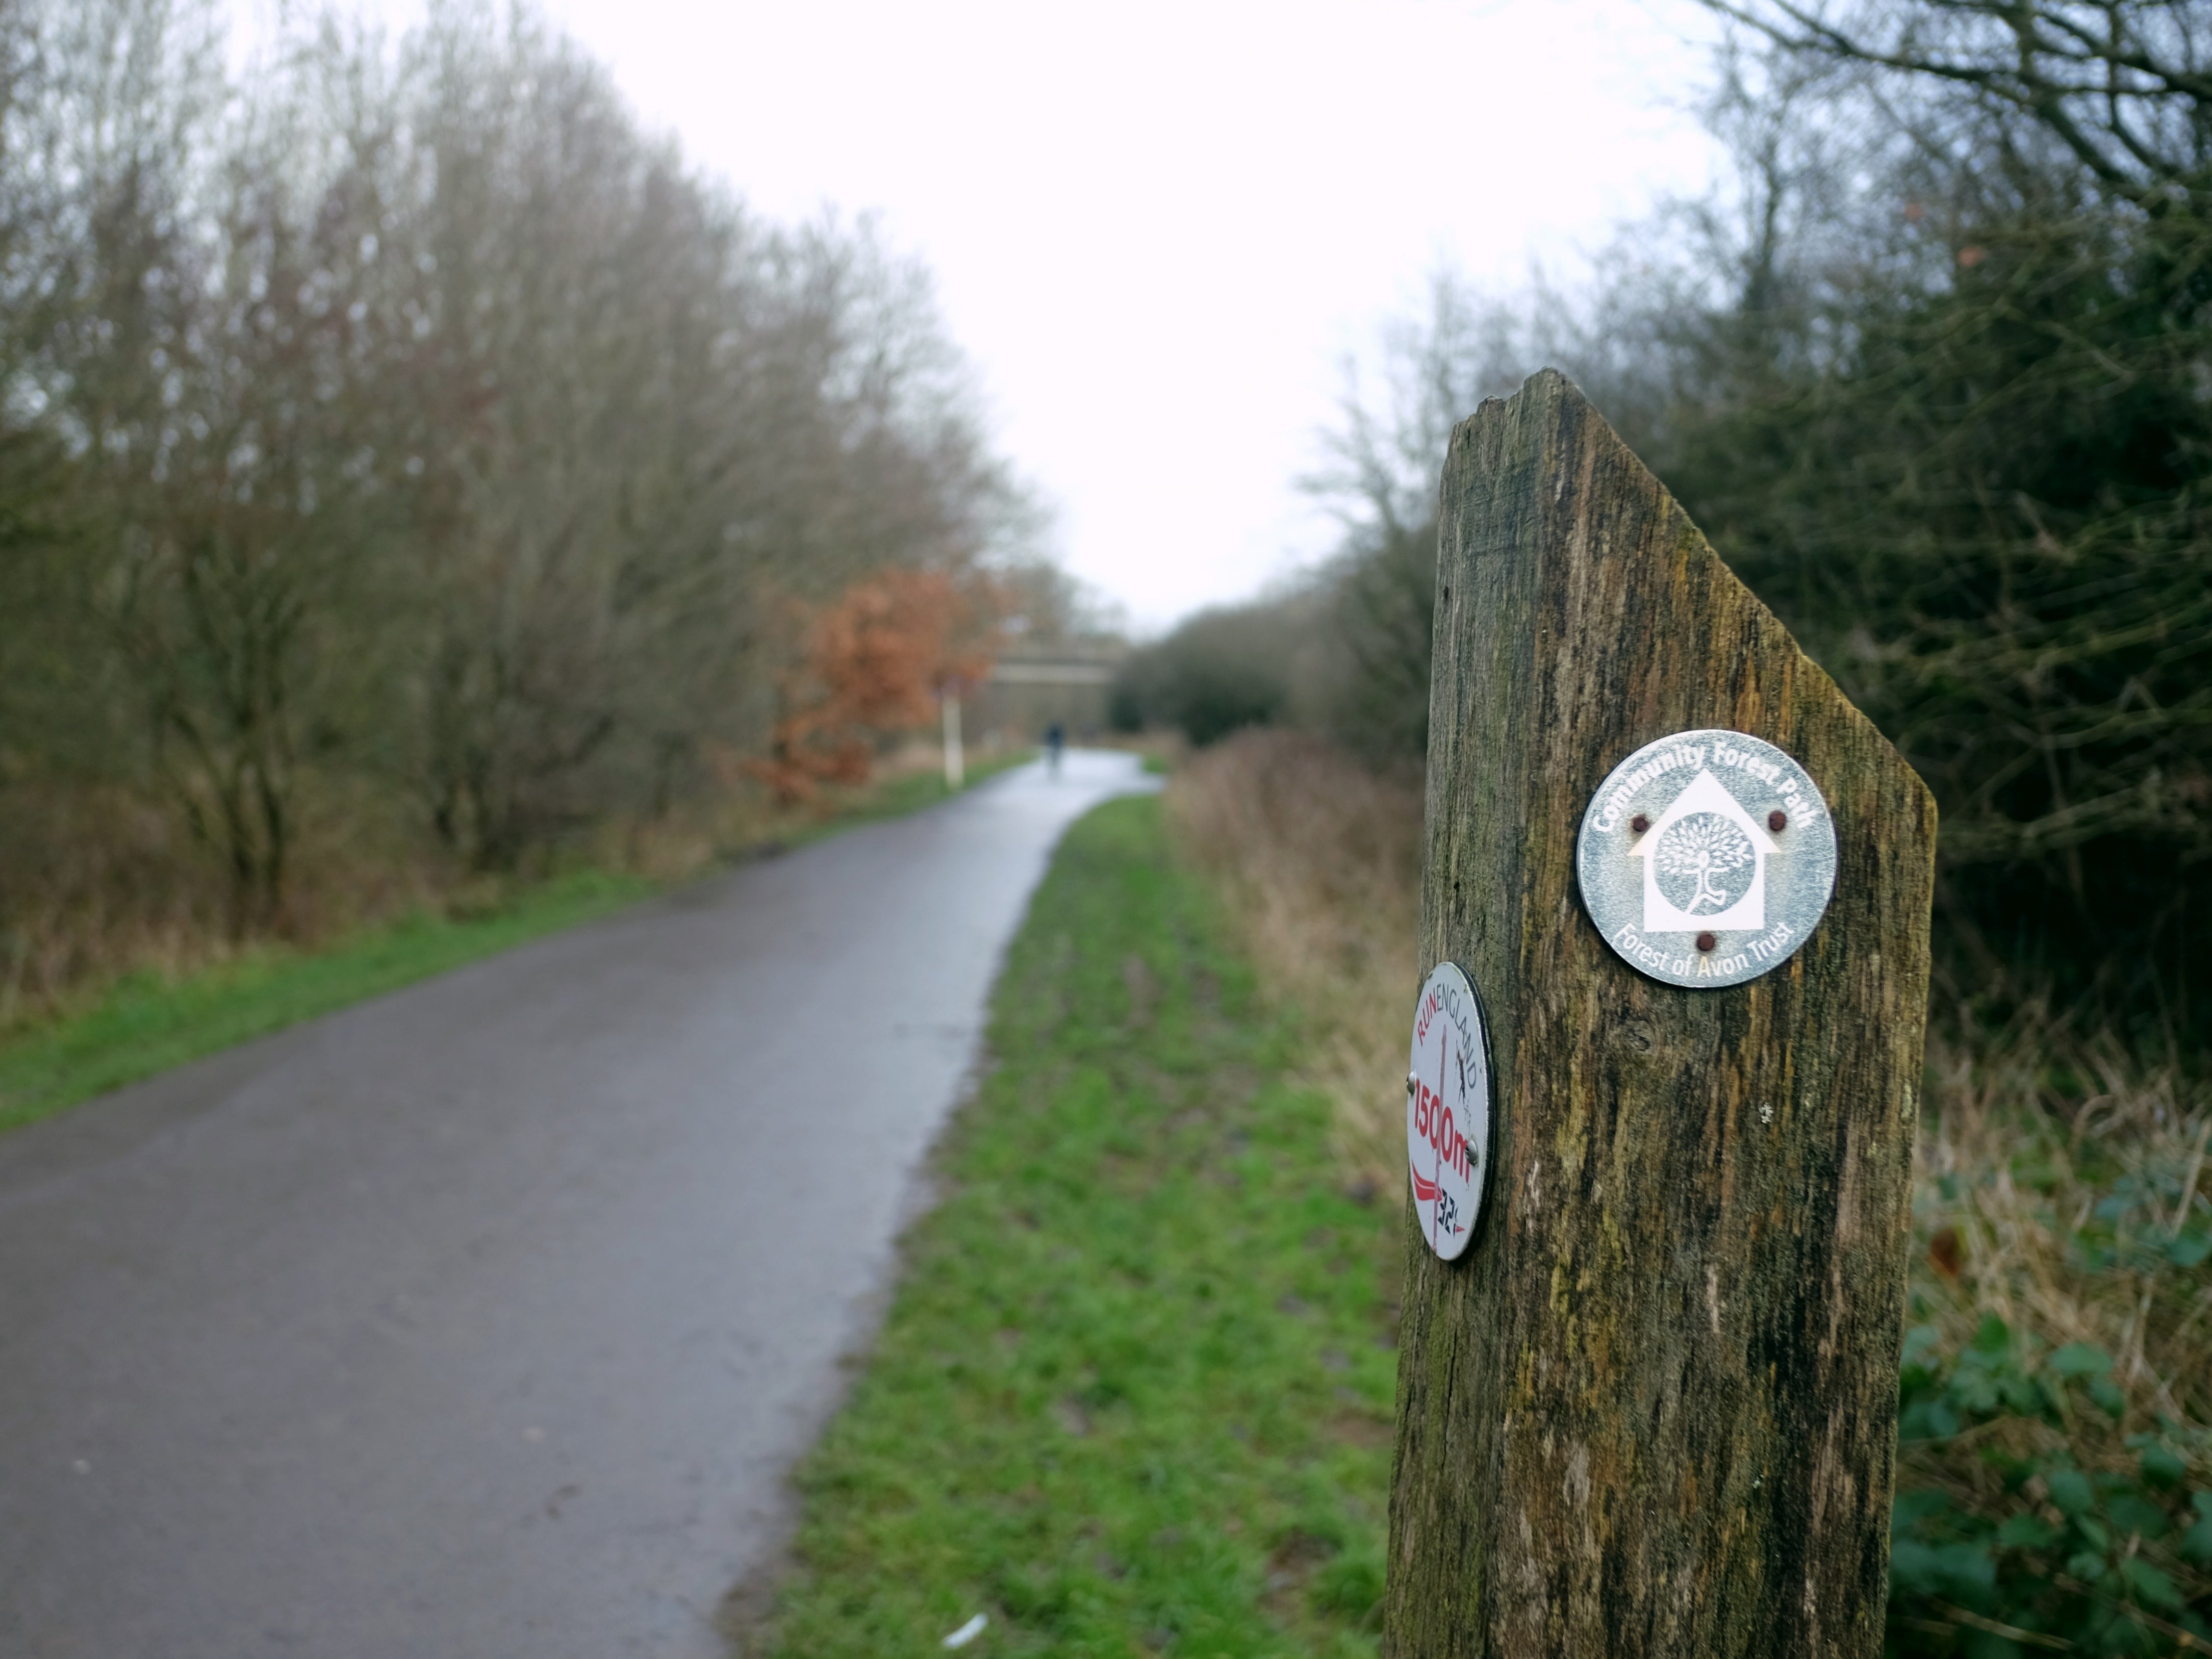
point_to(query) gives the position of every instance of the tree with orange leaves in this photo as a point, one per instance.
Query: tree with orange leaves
(878, 658)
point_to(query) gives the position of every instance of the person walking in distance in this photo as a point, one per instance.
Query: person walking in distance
(1055, 740)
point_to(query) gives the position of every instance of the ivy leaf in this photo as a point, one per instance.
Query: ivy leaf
(1922, 1363)
(2154, 1586)
(2080, 1360)
(2107, 1394)
(2026, 1531)
(2190, 1249)
(1927, 1419)
(2162, 1466)
(1919, 1505)
(2070, 1490)
(2196, 1544)
(1969, 1569)
(1973, 1391)
(1913, 1567)
(2054, 1395)
(2131, 1512)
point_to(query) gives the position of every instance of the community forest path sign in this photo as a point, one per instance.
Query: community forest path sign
(1706, 858)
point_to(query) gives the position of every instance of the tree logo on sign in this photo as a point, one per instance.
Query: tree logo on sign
(1703, 848)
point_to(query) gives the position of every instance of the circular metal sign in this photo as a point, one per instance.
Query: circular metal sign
(1447, 1110)
(1706, 858)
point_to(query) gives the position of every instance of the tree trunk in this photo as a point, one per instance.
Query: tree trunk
(1651, 1410)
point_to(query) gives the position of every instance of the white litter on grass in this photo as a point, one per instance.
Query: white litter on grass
(969, 1631)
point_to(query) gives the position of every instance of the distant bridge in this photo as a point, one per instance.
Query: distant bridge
(1053, 670)
(1029, 690)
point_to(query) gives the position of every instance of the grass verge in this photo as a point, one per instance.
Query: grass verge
(1134, 1393)
(149, 1021)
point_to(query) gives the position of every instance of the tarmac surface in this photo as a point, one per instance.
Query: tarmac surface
(487, 1318)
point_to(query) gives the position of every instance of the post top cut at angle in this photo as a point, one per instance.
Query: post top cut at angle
(1651, 1411)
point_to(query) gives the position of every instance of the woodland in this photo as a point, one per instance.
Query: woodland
(411, 468)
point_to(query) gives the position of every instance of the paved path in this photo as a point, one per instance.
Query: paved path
(484, 1319)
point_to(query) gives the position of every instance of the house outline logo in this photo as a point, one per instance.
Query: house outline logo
(1704, 793)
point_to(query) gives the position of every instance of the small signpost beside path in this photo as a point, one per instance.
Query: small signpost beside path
(1649, 1406)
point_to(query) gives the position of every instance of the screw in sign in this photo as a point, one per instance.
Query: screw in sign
(1447, 1110)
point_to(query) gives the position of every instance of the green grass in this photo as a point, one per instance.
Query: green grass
(1134, 1392)
(148, 1023)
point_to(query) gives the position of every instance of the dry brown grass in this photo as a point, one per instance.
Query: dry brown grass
(89, 878)
(98, 885)
(1320, 860)
(2055, 1464)
(2049, 1187)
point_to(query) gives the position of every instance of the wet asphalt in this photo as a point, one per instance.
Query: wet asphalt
(487, 1318)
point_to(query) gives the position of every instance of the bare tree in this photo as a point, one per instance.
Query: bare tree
(2123, 85)
(402, 423)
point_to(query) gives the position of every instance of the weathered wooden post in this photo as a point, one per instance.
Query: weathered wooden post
(1650, 1406)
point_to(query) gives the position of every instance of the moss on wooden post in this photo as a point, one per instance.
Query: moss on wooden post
(1652, 1410)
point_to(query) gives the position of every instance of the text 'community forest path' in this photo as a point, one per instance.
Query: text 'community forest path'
(485, 1318)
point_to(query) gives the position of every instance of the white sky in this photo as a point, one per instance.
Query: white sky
(1158, 227)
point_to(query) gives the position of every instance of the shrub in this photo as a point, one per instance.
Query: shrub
(1222, 670)
(2054, 1422)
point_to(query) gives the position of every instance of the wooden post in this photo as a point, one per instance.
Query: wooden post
(1652, 1409)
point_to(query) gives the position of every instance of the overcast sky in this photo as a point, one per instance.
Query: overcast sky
(1158, 227)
